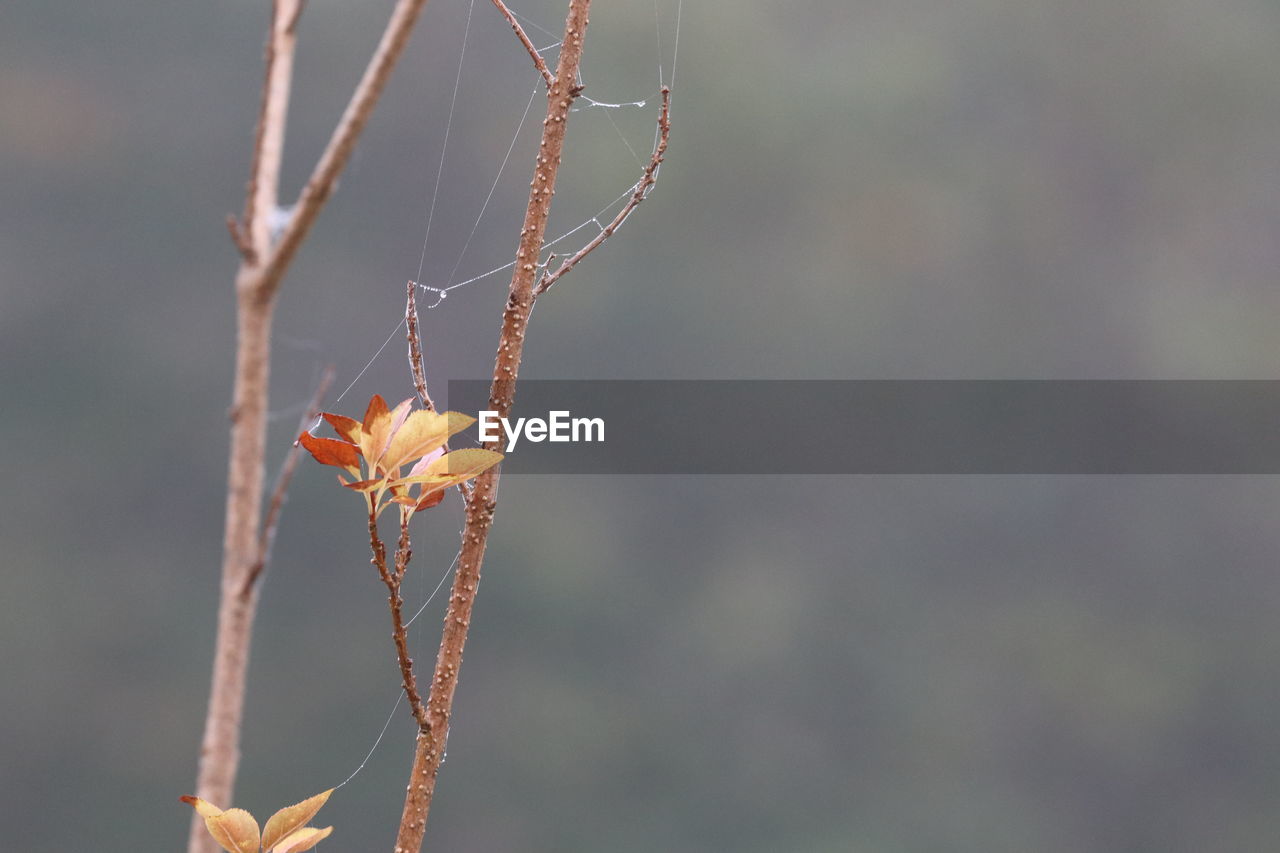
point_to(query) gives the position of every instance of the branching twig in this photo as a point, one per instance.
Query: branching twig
(262, 268)
(538, 61)
(647, 179)
(343, 141)
(268, 149)
(281, 491)
(432, 739)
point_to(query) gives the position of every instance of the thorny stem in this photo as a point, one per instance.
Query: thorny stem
(391, 578)
(432, 738)
(262, 268)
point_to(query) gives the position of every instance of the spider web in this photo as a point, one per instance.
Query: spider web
(465, 271)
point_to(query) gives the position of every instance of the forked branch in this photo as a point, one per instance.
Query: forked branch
(262, 268)
(647, 180)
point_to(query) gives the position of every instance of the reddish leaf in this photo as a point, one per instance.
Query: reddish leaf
(430, 500)
(330, 451)
(348, 428)
(377, 408)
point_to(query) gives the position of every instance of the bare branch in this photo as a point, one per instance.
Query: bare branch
(432, 740)
(538, 61)
(343, 141)
(278, 495)
(261, 270)
(268, 146)
(646, 183)
(415, 348)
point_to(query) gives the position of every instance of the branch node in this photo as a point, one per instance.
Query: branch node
(240, 239)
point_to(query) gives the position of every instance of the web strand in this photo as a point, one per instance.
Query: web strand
(444, 146)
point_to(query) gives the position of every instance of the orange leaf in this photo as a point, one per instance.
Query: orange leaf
(348, 428)
(364, 485)
(377, 408)
(291, 818)
(303, 839)
(235, 830)
(204, 808)
(430, 500)
(330, 451)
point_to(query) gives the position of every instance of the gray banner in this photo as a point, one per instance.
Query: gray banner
(889, 427)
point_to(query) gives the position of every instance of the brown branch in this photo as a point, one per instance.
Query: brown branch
(343, 141)
(392, 578)
(538, 61)
(415, 364)
(268, 146)
(278, 495)
(432, 739)
(647, 180)
(262, 268)
(415, 348)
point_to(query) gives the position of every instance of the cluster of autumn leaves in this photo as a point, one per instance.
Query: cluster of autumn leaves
(373, 452)
(237, 831)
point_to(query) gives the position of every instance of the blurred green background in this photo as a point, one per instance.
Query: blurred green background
(882, 189)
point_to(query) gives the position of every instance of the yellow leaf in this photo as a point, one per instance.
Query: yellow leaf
(235, 830)
(290, 818)
(458, 465)
(204, 808)
(302, 839)
(380, 423)
(421, 433)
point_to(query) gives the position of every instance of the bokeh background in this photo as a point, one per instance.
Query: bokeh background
(880, 189)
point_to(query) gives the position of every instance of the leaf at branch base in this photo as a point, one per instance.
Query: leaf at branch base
(204, 808)
(291, 818)
(235, 830)
(302, 839)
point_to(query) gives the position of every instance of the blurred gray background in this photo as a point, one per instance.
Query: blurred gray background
(882, 189)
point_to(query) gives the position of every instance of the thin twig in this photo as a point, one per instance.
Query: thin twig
(262, 196)
(646, 183)
(432, 739)
(415, 348)
(391, 578)
(538, 61)
(281, 490)
(415, 364)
